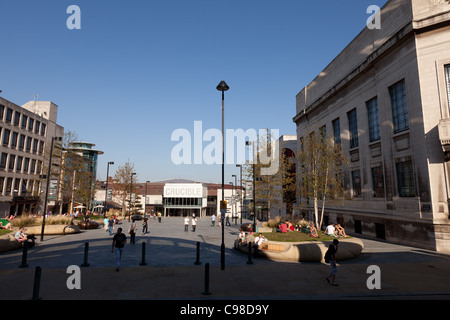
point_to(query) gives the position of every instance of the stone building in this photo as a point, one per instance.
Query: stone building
(26, 133)
(386, 99)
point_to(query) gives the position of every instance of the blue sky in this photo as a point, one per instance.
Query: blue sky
(137, 70)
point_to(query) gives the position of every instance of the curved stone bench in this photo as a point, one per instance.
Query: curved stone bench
(9, 243)
(308, 251)
(53, 229)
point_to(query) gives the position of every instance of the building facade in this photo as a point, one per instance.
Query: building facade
(26, 133)
(386, 98)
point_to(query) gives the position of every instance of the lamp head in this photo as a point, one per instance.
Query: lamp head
(222, 86)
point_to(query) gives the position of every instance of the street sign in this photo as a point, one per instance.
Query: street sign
(53, 189)
(223, 205)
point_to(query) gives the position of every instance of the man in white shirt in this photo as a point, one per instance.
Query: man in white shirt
(330, 230)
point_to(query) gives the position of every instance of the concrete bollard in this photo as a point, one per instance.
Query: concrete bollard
(86, 250)
(197, 261)
(24, 256)
(37, 284)
(249, 261)
(206, 292)
(143, 263)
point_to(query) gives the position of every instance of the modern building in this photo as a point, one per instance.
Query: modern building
(180, 197)
(26, 133)
(386, 99)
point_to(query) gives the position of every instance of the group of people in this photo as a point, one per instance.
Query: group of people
(190, 221)
(335, 230)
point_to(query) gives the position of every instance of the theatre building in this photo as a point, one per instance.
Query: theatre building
(386, 100)
(181, 197)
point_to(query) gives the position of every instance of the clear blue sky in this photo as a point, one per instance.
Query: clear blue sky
(140, 69)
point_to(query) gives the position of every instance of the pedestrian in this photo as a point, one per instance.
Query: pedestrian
(194, 222)
(330, 257)
(119, 241)
(159, 217)
(227, 219)
(110, 225)
(105, 224)
(186, 223)
(132, 231)
(145, 225)
(213, 220)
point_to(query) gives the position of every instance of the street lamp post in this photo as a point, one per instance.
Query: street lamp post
(254, 184)
(240, 185)
(48, 182)
(106, 192)
(234, 198)
(145, 201)
(222, 86)
(131, 193)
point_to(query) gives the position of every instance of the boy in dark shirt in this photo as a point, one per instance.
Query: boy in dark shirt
(118, 243)
(330, 256)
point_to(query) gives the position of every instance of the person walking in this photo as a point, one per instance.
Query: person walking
(186, 223)
(194, 222)
(330, 257)
(110, 225)
(159, 217)
(132, 232)
(119, 241)
(213, 220)
(145, 225)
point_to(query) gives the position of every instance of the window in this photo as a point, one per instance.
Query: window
(356, 183)
(30, 124)
(33, 166)
(21, 142)
(14, 139)
(405, 179)
(337, 131)
(399, 106)
(373, 118)
(12, 162)
(9, 113)
(37, 126)
(26, 165)
(353, 128)
(3, 158)
(447, 83)
(16, 118)
(2, 183)
(2, 111)
(29, 141)
(19, 163)
(8, 186)
(6, 135)
(35, 146)
(41, 147)
(43, 126)
(24, 121)
(378, 182)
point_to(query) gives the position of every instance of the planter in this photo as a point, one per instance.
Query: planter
(308, 251)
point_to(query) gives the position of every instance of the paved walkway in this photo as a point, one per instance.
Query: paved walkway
(171, 272)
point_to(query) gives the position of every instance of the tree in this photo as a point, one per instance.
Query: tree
(274, 179)
(321, 172)
(124, 177)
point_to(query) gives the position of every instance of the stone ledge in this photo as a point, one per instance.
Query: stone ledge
(8, 242)
(309, 251)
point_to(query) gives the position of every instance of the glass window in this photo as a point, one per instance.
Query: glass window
(8, 186)
(447, 82)
(3, 158)
(405, 179)
(373, 118)
(378, 182)
(24, 121)
(26, 165)
(14, 139)
(16, 118)
(356, 183)
(2, 183)
(2, 111)
(12, 162)
(337, 131)
(33, 166)
(399, 106)
(29, 141)
(30, 124)
(43, 126)
(6, 135)
(21, 142)
(353, 128)
(19, 163)
(37, 127)
(9, 113)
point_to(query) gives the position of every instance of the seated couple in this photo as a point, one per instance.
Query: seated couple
(335, 231)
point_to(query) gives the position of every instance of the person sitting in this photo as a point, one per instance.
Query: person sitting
(7, 227)
(289, 226)
(313, 231)
(340, 231)
(241, 240)
(24, 239)
(258, 242)
(330, 230)
(282, 227)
